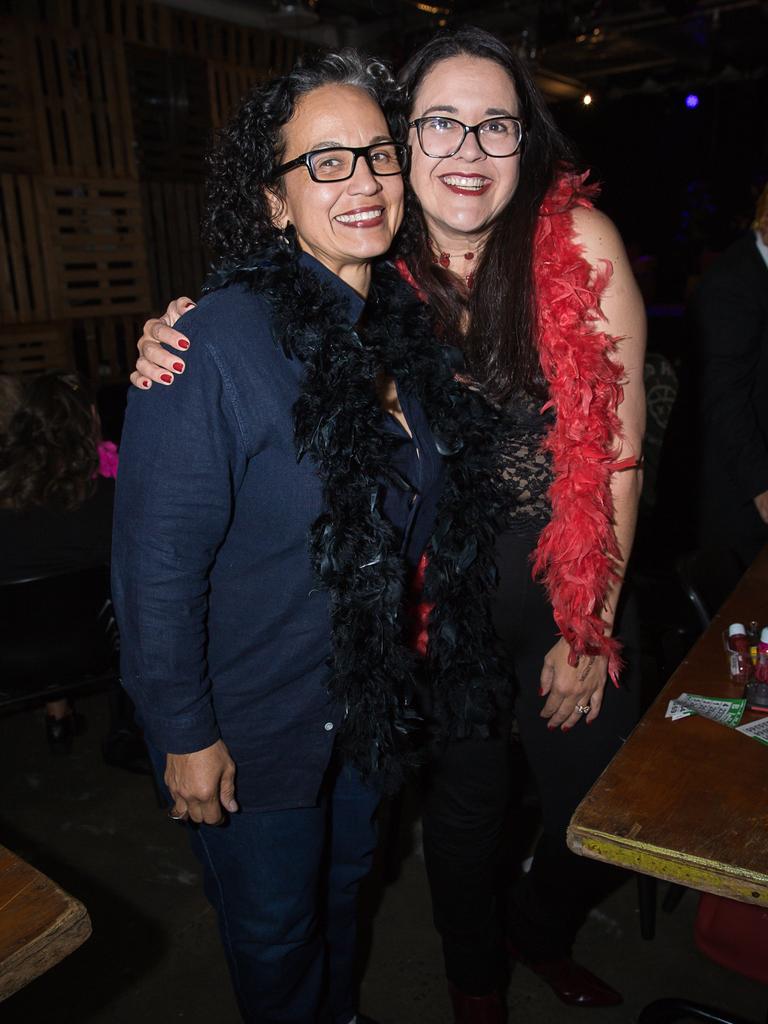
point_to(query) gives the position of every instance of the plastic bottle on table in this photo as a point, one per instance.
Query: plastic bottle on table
(738, 645)
(761, 671)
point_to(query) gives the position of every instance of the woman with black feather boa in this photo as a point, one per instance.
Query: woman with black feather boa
(263, 550)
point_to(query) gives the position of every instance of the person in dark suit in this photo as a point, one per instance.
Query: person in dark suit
(730, 316)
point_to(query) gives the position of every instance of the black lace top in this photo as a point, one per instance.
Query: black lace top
(526, 469)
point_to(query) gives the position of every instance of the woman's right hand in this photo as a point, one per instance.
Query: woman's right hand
(202, 785)
(155, 363)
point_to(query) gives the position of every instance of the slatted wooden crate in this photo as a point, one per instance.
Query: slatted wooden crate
(154, 24)
(227, 84)
(284, 52)
(140, 21)
(35, 348)
(23, 287)
(105, 347)
(97, 262)
(82, 104)
(18, 145)
(171, 113)
(172, 214)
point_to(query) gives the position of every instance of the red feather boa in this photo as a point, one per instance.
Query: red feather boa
(577, 550)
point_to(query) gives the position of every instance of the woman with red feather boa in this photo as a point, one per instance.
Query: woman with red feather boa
(504, 243)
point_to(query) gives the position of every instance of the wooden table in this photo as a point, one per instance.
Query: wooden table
(687, 801)
(39, 923)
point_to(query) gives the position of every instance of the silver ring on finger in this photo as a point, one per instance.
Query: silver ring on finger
(583, 709)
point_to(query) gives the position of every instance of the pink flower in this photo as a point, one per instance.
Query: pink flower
(108, 459)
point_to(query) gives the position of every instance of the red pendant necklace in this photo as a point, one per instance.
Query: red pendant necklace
(444, 259)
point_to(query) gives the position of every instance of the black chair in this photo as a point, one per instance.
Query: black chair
(57, 636)
(707, 576)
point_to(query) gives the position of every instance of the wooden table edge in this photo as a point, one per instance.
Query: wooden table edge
(34, 959)
(670, 865)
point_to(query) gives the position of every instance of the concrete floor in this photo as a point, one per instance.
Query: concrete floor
(154, 955)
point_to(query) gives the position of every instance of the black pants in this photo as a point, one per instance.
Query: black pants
(467, 796)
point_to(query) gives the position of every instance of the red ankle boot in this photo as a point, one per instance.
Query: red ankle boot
(476, 1009)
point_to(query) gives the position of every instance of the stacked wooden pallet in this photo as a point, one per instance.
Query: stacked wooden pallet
(106, 112)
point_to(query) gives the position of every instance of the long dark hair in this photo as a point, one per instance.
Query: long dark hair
(238, 218)
(49, 452)
(499, 342)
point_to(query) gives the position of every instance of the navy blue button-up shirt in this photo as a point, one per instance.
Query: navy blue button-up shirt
(224, 629)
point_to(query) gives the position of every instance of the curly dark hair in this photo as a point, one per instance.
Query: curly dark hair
(49, 453)
(238, 220)
(499, 343)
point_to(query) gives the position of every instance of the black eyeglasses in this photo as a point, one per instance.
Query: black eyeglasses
(444, 136)
(339, 163)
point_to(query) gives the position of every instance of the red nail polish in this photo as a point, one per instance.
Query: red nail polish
(567, 728)
(145, 383)
(178, 367)
(189, 305)
(541, 691)
(166, 378)
(551, 728)
(183, 343)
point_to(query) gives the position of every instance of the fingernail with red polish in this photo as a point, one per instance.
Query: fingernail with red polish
(178, 367)
(183, 343)
(166, 378)
(189, 305)
(145, 383)
(567, 728)
(551, 728)
(541, 691)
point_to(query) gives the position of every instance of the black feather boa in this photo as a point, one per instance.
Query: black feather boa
(354, 549)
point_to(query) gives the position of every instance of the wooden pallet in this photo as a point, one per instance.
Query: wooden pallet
(105, 347)
(172, 213)
(227, 85)
(35, 348)
(171, 113)
(23, 287)
(81, 100)
(96, 253)
(18, 143)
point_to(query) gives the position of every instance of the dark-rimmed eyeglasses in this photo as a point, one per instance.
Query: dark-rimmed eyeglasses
(444, 136)
(339, 163)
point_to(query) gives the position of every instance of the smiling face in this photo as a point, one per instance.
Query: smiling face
(343, 224)
(462, 195)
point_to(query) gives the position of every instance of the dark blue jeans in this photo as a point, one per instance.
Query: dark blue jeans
(284, 885)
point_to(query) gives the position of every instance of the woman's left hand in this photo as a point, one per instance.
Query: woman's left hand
(568, 686)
